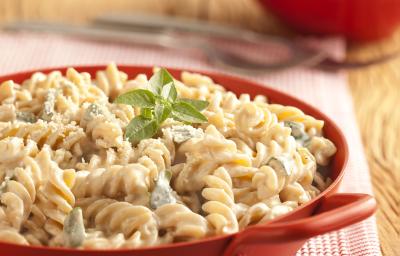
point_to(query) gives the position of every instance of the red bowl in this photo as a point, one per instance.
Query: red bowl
(355, 19)
(282, 236)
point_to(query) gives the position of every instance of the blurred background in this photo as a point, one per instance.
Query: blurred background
(244, 13)
(371, 28)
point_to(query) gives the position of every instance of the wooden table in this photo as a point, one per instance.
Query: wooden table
(375, 90)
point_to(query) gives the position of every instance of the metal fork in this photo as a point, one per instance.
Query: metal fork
(303, 55)
(178, 40)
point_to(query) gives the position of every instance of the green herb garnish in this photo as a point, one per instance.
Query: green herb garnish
(157, 104)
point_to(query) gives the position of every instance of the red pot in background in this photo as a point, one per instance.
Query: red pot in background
(355, 19)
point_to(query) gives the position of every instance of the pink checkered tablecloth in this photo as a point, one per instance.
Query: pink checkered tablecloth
(327, 91)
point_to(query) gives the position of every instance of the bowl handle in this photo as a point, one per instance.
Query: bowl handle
(334, 212)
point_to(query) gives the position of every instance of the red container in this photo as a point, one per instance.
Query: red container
(355, 19)
(282, 236)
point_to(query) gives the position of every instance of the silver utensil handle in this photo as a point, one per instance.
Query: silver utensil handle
(171, 41)
(157, 23)
(300, 57)
(101, 34)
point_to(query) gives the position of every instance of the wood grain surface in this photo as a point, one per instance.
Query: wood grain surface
(375, 90)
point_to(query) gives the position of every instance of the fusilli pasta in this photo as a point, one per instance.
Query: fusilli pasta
(69, 177)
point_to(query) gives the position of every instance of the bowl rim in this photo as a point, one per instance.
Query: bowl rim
(214, 75)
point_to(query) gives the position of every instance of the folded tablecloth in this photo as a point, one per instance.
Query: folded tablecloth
(327, 91)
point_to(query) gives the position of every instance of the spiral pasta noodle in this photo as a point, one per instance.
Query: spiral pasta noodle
(137, 223)
(183, 225)
(57, 136)
(12, 236)
(220, 204)
(55, 198)
(287, 113)
(204, 155)
(130, 183)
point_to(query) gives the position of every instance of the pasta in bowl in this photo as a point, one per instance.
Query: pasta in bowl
(97, 160)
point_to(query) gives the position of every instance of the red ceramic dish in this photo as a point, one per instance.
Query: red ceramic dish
(282, 236)
(355, 19)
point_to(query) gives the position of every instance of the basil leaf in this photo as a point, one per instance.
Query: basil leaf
(162, 112)
(198, 104)
(157, 104)
(159, 79)
(168, 92)
(183, 111)
(140, 128)
(146, 113)
(138, 98)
